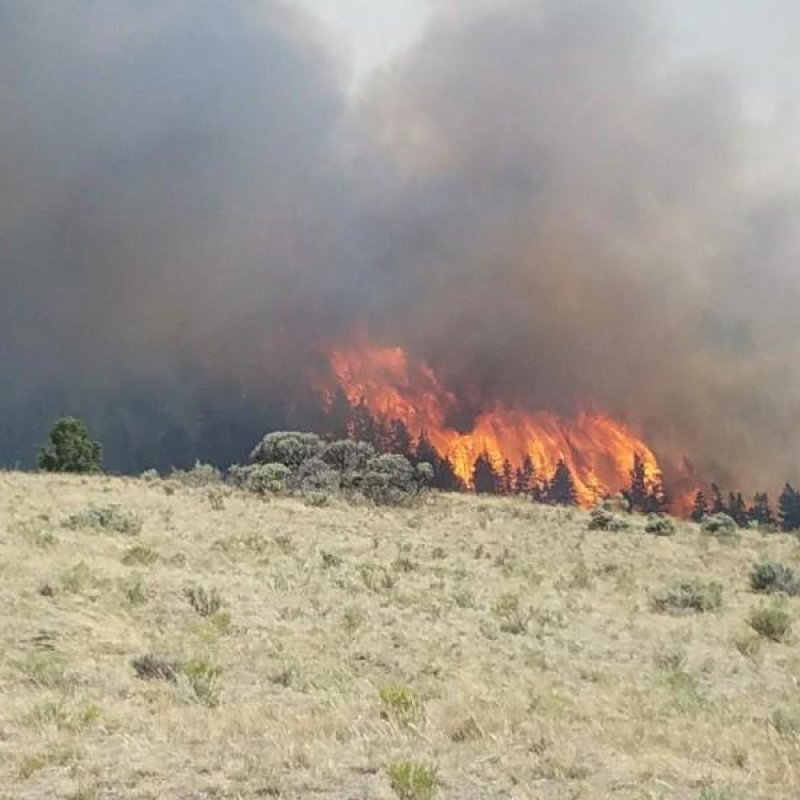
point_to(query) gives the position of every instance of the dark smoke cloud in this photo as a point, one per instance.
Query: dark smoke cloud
(539, 199)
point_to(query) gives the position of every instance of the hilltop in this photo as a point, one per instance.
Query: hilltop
(161, 640)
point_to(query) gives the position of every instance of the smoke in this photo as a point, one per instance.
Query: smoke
(540, 199)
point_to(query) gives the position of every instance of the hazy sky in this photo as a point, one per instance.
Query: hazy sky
(754, 37)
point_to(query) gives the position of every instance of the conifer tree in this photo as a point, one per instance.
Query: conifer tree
(525, 480)
(484, 476)
(761, 511)
(699, 507)
(717, 503)
(789, 505)
(401, 441)
(561, 489)
(737, 509)
(638, 489)
(507, 478)
(444, 475)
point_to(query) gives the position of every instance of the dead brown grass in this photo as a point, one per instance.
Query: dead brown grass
(535, 661)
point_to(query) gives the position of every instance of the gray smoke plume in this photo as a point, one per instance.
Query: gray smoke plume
(540, 199)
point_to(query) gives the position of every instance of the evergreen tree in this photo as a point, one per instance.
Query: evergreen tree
(484, 476)
(699, 507)
(362, 426)
(561, 489)
(638, 489)
(717, 503)
(71, 448)
(444, 475)
(401, 442)
(737, 509)
(525, 480)
(761, 511)
(657, 501)
(789, 505)
(507, 478)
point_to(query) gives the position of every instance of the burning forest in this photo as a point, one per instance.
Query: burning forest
(571, 246)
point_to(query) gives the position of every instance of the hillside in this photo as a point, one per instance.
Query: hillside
(501, 643)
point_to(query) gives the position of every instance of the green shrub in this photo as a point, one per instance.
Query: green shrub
(111, 518)
(400, 703)
(772, 622)
(203, 677)
(261, 478)
(689, 596)
(71, 449)
(199, 476)
(603, 519)
(390, 480)
(720, 525)
(289, 448)
(348, 456)
(150, 667)
(771, 578)
(140, 555)
(314, 475)
(205, 603)
(412, 781)
(660, 525)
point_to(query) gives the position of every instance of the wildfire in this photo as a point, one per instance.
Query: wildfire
(598, 450)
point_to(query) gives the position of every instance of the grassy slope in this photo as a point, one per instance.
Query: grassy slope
(599, 697)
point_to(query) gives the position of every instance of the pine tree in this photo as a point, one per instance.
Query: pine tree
(400, 438)
(761, 511)
(362, 426)
(507, 478)
(484, 476)
(699, 507)
(525, 480)
(561, 489)
(444, 475)
(717, 503)
(737, 509)
(789, 505)
(657, 501)
(638, 489)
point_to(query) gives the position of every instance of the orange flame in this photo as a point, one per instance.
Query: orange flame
(598, 450)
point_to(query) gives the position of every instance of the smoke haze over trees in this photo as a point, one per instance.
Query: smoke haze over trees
(541, 199)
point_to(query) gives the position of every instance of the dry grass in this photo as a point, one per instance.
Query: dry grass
(501, 646)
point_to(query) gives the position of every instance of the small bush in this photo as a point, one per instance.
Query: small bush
(198, 477)
(150, 667)
(205, 603)
(289, 448)
(689, 596)
(135, 591)
(772, 622)
(412, 781)
(771, 578)
(786, 720)
(44, 669)
(659, 525)
(721, 525)
(78, 578)
(603, 519)
(71, 449)
(261, 478)
(111, 518)
(512, 619)
(390, 480)
(140, 555)
(349, 457)
(314, 475)
(203, 677)
(401, 704)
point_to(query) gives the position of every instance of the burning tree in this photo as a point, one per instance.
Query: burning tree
(561, 487)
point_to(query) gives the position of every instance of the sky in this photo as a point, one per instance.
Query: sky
(756, 38)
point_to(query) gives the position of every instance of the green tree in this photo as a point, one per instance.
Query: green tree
(484, 476)
(561, 489)
(71, 448)
(699, 507)
(761, 511)
(789, 505)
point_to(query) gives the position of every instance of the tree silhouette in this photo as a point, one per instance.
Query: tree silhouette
(737, 509)
(507, 478)
(761, 511)
(699, 507)
(561, 489)
(638, 488)
(484, 476)
(444, 475)
(789, 506)
(400, 438)
(525, 479)
(717, 503)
